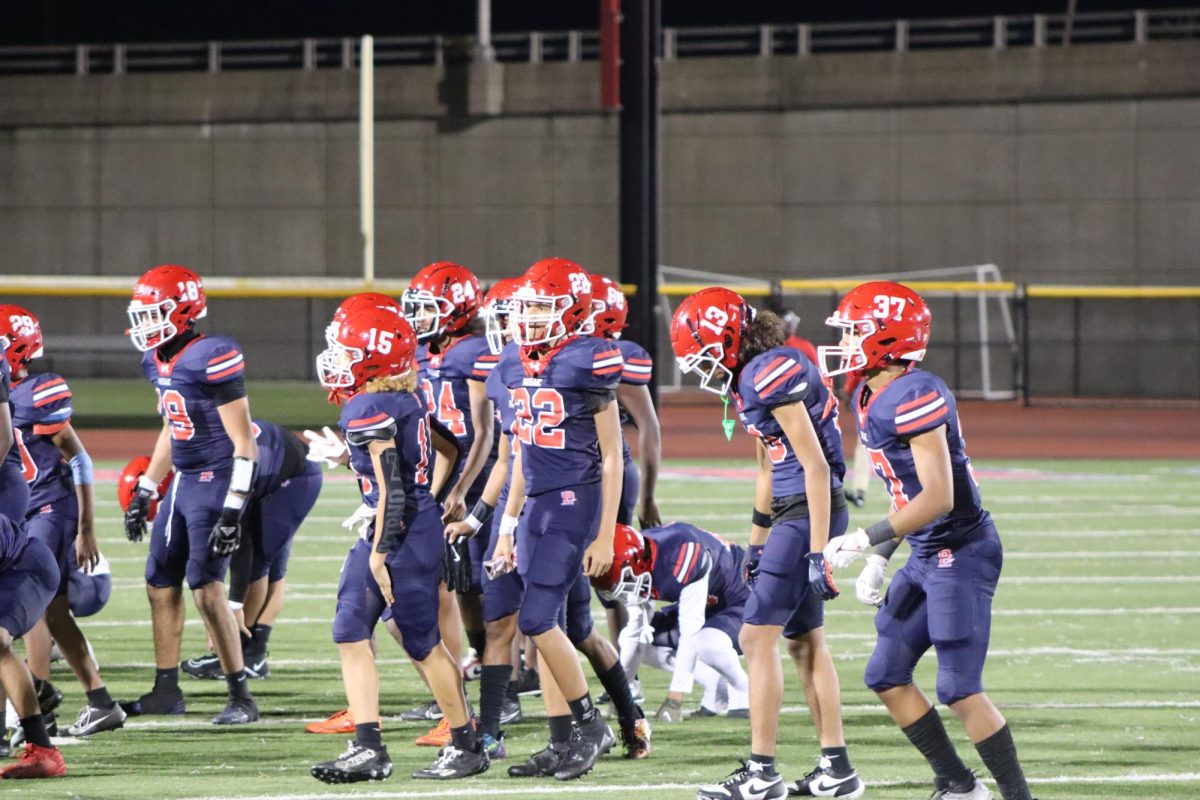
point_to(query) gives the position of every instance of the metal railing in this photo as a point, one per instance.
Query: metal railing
(802, 39)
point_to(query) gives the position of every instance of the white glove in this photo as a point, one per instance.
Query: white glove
(325, 446)
(361, 520)
(870, 580)
(843, 550)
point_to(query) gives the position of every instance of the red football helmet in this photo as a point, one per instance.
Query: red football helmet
(706, 334)
(628, 579)
(357, 302)
(609, 307)
(167, 300)
(23, 334)
(442, 299)
(496, 312)
(371, 343)
(552, 302)
(128, 481)
(881, 322)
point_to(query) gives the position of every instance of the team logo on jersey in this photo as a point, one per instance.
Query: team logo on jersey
(206, 476)
(568, 498)
(945, 558)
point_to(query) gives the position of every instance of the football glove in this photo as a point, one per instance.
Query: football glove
(870, 580)
(750, 567)
(843, 550)
(135, 514)
(456, 566)
(670, 711)
(226, 535)
(325, 447)
(820, 576)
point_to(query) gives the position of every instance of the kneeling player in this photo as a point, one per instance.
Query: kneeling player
(391, 445)
(699, 574)
(942, 597)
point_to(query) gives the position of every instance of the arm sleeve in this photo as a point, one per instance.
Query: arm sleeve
(629, 640)
(693, 603)
(225, 392)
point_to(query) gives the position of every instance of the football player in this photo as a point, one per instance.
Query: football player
(942, 597)
(396, 563)
(285, 491)
(782, 401)
(60, 515)
(567, 475)
(208, 438)
(700, 575)
(442, 305)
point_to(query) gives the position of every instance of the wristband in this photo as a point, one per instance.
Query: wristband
(508, 526)
(147, 484)
(235, 605)
(473, 522)
(880, 532)
(242, 479)
(760, 519)
(481, 514)
(234, 501)
(81, 468)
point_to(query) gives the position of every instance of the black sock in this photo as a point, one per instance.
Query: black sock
(35, 730)
(238, 688)
(929, 736)
(999, 755)
(493, 684)
(839, 761)
(560, 728)
(100, 698)
(766, 762)
(465, 738)
(367, 734)
(617, 685)
(478, 641)
(582, 709)
(262, 635)
(166, 680)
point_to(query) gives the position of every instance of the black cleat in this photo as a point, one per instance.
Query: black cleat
(358, 763)
(588, 743)
(702, 712)
(510, 712)
(49, 697)
(427, 711)
(256, 667)
(453, 763)
(238, 712)
(205, 668)
(154, 702)
(542, 764)
(528, 682)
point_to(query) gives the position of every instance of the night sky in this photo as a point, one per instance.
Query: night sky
(74, 21)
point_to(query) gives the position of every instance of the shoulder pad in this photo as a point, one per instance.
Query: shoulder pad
(217, 358)
(777, 377)
(922, 403)
(384, 433)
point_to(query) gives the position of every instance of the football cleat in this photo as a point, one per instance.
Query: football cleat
(337, 722)
(670, 711)
(205, 668)
(428, 711)
(257, 667)
(856, 497)
(5, 745)
(528, 682)
(821, 782)
(738, 713)
(494, 745)
(978, 791)
(49, 697)
(510, 711)
(93, 719)
(438, 736)
(636, 739)
(237, 712)
(747, 782)
(454, 763)
(588, 742)
(358, 763)
(702, 712)
(36, 762)
(542, 764)
(154, 702)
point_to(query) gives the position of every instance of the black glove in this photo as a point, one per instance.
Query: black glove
(226, 535)
(135, 514)
(750, 567)
(820, 576)
(456, 566)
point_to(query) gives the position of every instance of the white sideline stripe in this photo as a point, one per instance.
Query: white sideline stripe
(1002, 516)
(583, 789)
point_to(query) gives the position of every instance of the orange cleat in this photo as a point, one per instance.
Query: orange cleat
(36, 762)
(637, 740)
(338, 722)
(438, 736)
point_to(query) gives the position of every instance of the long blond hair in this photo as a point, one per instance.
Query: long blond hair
(393, 383)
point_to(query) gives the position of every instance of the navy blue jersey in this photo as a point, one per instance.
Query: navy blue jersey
(13, 456)
(12, 538)
(281, 456)
(42, 408)
(444, 379)
(555, 400)
(497, 392)
(782, 376)
(637, 372)
(184, 383)
(684, 553)
(371, 410)
(912, 404)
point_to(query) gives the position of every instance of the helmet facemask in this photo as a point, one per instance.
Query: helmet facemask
(150, 326)
(630, 587)
(335, 366)
(706, 363)
(497, 325)
(426, 313)
(848, 352)
(538, 319)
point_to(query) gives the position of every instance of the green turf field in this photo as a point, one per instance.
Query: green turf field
(1095, 660)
